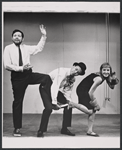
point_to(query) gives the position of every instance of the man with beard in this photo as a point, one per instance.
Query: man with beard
(17, 60)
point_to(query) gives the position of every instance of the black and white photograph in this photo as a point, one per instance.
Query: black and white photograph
(61, 74)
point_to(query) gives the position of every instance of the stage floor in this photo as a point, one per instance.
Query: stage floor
(107, 126)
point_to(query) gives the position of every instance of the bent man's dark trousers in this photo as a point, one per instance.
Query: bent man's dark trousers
(20, 81)
(67, 113)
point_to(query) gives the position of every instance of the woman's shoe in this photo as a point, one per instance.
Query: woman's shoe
(92, 134)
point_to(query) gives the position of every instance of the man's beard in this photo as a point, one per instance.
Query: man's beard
(17, 43)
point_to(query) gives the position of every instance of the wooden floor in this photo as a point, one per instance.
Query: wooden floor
(105, 125)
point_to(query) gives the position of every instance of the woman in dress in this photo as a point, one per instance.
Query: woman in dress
(85, 91)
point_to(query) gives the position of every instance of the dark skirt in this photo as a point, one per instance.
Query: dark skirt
(83, 98)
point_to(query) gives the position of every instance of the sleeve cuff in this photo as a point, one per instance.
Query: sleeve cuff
(44, 36)
(54, 102)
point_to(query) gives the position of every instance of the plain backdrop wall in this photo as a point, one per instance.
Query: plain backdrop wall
(71, 37)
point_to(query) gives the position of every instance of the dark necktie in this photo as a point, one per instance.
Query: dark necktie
(20, 57)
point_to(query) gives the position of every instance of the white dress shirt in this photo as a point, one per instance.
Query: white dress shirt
(57, 76)
(11, 54)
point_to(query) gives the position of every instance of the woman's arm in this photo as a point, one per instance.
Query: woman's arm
(112, 80)
(97, 82)
(93, 102)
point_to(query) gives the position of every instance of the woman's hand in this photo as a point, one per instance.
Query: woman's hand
(113, 79)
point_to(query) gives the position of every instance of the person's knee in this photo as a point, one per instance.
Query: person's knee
(46, 82)
(48, 110)
(48, 78)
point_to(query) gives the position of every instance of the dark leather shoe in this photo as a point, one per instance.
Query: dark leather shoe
(93, 134)
(40, 134)
(67, 132)
(17, 132)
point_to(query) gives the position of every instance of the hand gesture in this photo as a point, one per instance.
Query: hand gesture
(114, 75)
(113, 79)
(42, 29)
(55, 107)
(27, 67)
(70, 105)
